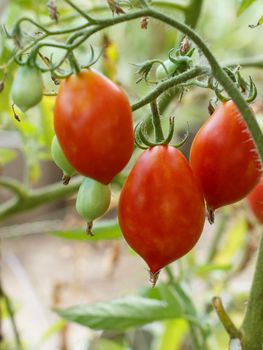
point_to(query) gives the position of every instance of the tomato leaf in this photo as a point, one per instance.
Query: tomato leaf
(106, 230)
(173, 299)
(244, 4)
(119, 314)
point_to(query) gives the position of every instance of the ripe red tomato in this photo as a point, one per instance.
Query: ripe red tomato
(93, 123)
(224, 158)
(161, 208)
(255, 200)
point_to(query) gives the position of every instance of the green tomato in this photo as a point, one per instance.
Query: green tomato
(171, 67)
(27, 88)
(61, 161)
(93, 200)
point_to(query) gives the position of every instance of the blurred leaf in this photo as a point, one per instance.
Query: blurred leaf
(205, 269)
(104, 230)
(173, 335)
(168, 294)
(104, 344)
(244, 4)
(259, 22)
(53, 329)
(3, 309)
(34, 171)
(188, 305)
(234, 242)
(6, 156)
(119, 314)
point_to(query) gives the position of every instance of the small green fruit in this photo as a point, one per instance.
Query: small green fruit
(171, 67)
(61, 161)
(93, 200)
(27, 88)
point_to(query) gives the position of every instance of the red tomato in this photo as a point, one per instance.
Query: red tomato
(161, 208)
(93, 123)
(224, 157)
(255, 200)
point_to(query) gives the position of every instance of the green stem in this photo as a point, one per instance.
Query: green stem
(252, 326)
(74, 63)
(38, 197)
(10, 311)
(217, 236)
(82, 13)
(156, 120)
(245, 62)
(229, 326)
(192, 13)
(13, 186)
(167, 84)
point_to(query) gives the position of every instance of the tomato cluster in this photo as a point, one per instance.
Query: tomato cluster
(162, 204)
(94, 137)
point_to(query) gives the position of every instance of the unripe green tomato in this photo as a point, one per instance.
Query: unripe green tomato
(171, 67)
(27, 88)
(61, 161)
(93, 200)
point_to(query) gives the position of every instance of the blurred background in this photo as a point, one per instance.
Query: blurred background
(46, 259)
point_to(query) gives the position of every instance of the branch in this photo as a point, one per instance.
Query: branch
(192, 12)
(38, 197)
(253, 322)
(13, 186)
(228, 324)
(250, 62)
(167, 84)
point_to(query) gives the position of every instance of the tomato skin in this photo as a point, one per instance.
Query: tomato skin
(93, 123)
(161, 208)
(255, 201)
(224, 158)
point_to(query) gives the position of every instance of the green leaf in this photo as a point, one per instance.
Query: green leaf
(169, 295)
(6, 156)
(119, 314)
(244, 4)
(204, 270)
(105, 230)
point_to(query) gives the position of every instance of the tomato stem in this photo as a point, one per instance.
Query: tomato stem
(156, 120)
(228, 324)
(89, 228)
(154, 277)
(65, 179)
(253, 322)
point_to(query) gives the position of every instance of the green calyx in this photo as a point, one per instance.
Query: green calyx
(61, 161)
(27, 88)
(93, 200)
(175, 64)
